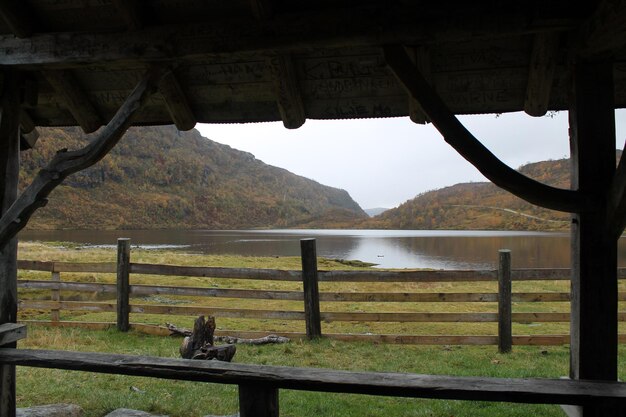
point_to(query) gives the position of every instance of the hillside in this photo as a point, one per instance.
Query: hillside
(158, 177)
(480, 206)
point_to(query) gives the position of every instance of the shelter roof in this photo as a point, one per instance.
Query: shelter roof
(264, 60)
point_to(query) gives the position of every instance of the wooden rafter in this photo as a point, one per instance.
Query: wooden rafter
(605, 31)
(472, 150)
(541, 73)
(17, 17)
(421, 59)
(66, 163)
(285, 34)
(262, 9)
(75, 99)
(616, 210)
(288, 97)
(130, 11)
(177, 102)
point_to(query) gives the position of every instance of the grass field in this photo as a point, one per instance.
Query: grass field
(98, 394)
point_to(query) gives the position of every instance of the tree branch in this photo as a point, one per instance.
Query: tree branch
(66, 163)
(455, 134)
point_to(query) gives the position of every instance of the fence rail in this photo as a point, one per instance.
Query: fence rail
(311, 313)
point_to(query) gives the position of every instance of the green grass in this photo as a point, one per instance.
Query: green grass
(99, 393)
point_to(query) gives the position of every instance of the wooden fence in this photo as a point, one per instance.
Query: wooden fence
(311, 297)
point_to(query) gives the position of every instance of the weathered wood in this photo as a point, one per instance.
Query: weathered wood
(421, 58)
(11, 333)
(258, 400)
(605, 31)
(311, 292)
(66, 86)
(177, 102)
(214, 272)
(55, 296)
(505, 330)
(201, 335)
(69, 286)
(455, 134)
(593, 353)
(130, 11)
(287, 91)
(527, 390)
(66, 163)
(541, 73)
(265, 340)
(123, 284)
(9, 175)
(16, 16)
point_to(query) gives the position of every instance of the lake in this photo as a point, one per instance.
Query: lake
(386, 248)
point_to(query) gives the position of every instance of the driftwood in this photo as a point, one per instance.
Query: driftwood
(199, 345)
(269, 339)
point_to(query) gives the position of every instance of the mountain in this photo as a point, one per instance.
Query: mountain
(375, 211)
(158, 177)
(480, 206)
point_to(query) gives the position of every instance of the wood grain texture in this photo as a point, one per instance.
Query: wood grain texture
(11, 332)
(549, 391)
(541, 73)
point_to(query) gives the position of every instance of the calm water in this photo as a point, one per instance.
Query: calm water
(387, 248)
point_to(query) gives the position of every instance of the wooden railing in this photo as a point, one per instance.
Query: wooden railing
(311, 297)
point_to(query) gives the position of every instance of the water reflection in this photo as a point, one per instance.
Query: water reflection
(389, 249)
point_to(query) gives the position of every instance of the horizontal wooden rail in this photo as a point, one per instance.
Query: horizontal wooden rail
(530, 390)
(214, 272)
(297, 295)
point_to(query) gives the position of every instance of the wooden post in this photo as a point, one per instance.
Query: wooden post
(258, 401)
(55, 296)
(311, 291)
(505, 336)
(9, 174)
(123, 284)
(593, 346)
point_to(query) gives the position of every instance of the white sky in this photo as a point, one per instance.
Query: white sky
(384, 162)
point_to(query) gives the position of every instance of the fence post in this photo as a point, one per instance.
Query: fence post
(311, 291)
(123, 284)
(55, 315)
(258, 401)
(505, 336)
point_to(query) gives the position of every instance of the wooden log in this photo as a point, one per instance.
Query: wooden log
(505, 332)
(9, 175)
(258, 400)
(541, 73)
(177, 103)
(199, 344)
(287, 91)
(123, 284)
(421, 58)
(55, 296)
(455, 134)
(526, 390)
(311, 291)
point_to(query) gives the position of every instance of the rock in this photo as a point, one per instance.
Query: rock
(51, 410)
(125, 412)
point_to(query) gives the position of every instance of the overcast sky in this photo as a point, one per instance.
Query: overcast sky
(384, 162)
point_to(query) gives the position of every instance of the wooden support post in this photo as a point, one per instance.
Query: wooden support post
(258, 401)
(123, 284)
(55, 296)
(505, 336)
(9, 174)
(311, 291)
(593, 351)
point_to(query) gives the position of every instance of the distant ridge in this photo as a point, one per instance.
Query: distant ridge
(480, 206)
(375, 211)
(158, 177)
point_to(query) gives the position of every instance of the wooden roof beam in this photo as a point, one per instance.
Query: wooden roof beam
(455, 134)
(288, 97)
(616, 207)
(421, 58)
(541, 73)
(17, 17)
(605, 31)
(28, 132)
(75, 99)
(130, 11)
(177, 102)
